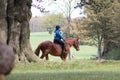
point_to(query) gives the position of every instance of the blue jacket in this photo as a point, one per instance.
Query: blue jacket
(58, 35)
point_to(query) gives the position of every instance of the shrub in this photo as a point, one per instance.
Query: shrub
(113, 55)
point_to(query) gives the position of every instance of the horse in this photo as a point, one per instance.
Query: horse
(48, 47)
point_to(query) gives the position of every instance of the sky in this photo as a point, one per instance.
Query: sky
(53, 9)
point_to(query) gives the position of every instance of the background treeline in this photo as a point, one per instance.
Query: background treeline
(46, 22)
(101, 27)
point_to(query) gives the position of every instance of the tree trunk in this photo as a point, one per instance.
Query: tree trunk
(3, 24)
(14, 29)
(99, 47)
(99, 50)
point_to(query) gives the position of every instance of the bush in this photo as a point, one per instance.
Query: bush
(113, 55)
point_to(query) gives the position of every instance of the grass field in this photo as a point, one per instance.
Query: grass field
(69, 70)
(79, 68)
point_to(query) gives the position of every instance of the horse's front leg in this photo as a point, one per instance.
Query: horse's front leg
(47, 58)
(66, 54)
(64, 57)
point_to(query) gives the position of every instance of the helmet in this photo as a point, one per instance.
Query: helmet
(57, 27)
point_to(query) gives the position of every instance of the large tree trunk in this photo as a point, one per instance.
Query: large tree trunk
(14, 29)
(3, 24)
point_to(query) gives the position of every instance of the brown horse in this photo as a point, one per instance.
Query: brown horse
(49, 47)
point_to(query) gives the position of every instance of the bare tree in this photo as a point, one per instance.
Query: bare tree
(67, 8)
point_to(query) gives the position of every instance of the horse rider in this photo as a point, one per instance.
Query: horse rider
(58, 38)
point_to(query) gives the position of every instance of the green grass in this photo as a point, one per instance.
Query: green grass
(69, 70)
(80, 65)
(66, 76)
(79, 68)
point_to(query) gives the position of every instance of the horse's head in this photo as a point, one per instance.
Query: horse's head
(73, 42)
(76, 44)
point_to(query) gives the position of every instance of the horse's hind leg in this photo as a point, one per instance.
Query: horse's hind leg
(42, 56)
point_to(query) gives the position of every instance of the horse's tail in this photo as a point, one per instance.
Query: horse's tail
(37, 51)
